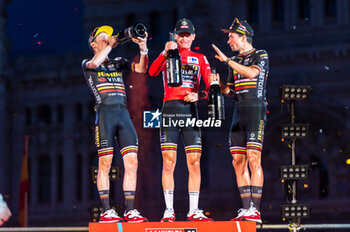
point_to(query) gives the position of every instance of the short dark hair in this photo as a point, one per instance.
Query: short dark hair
(249, 39)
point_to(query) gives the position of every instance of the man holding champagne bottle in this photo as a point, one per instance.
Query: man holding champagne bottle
(104, 76)
(179, 101)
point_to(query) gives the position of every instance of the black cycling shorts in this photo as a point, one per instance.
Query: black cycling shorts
(173, 112)
(247, 127)
(113, 121)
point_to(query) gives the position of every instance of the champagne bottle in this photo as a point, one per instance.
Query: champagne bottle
(126, 35)
(216, 108)
(173, 66)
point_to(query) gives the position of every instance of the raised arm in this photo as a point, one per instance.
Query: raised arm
(141, 66)
(101, 56)
(249, 72)
(159, 63)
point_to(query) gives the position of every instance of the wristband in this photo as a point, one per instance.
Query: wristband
(144, 53)
(227, 60)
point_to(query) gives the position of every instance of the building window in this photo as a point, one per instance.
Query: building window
(44, 179)
(304, 9)
(59, 113)
(278, 10)
(45, 114)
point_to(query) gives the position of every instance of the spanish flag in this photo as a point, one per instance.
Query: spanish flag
(24, 187)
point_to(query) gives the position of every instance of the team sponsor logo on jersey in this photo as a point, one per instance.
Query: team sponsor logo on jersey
(189, 67)
(102, 79)
(189, 85)
(263, 56)
(242, 91)
(193, 60)
(97, 137)
(246, 61)
(112, 74)
(261, 130)
(115, 79)
(190, 73)
(261, 79)
(104, 143)
(94, 90)
(163, 138)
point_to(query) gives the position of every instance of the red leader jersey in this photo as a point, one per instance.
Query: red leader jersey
(194, 66)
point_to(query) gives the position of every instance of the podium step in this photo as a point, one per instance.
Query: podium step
(220, 226)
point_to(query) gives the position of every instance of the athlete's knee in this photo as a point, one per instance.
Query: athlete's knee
(131, 162)
(239, 161)
(254, 159)
(169, 161)
(193, 160)
(105, 164)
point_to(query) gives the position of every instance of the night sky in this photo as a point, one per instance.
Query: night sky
(42, 27)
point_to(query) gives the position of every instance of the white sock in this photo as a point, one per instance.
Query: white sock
(169, 198)
(194, 198)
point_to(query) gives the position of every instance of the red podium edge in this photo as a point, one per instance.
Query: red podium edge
(222, 226)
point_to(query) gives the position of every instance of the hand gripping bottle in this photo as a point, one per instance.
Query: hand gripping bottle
(173, 66)
(216, 108)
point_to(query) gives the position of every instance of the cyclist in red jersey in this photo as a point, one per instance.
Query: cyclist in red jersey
(180, 103)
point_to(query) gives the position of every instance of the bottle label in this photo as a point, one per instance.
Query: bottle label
(211, 111)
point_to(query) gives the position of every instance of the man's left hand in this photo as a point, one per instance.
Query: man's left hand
(220, 55)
